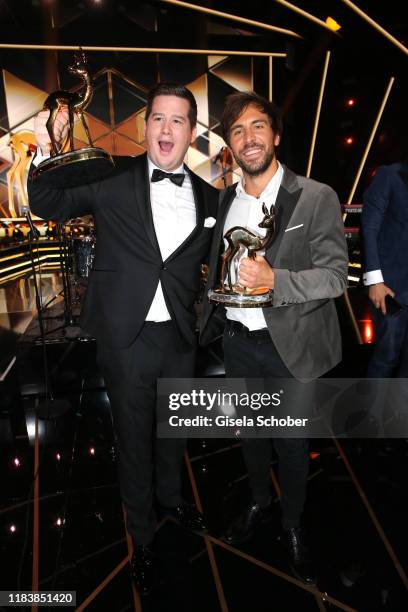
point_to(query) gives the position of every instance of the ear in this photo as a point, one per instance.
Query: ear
(276, 140)
(193, 134)
(264, 209)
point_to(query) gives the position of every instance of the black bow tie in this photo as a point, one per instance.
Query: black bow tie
(159, 175)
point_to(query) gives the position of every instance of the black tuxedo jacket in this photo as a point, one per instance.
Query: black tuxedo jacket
(128, 264)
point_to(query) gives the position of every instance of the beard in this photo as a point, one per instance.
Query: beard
(258, 166)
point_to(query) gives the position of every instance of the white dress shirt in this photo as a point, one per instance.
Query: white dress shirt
(174, 218)
(246, 211)
(373, 277)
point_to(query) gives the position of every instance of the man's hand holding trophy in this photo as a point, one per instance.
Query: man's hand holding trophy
(52, 126)
(254, 277)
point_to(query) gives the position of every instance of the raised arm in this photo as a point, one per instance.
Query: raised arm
(50, 203)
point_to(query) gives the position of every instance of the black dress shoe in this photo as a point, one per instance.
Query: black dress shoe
(142, 567)
(243, 527)
(188, 517)
(299, 557)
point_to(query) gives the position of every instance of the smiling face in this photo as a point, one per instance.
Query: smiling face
(253, 141)
(168, 132)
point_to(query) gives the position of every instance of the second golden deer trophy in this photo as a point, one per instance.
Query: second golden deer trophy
(74, 167)
(241, 241)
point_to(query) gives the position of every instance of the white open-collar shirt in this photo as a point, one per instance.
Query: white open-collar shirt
(246, 211)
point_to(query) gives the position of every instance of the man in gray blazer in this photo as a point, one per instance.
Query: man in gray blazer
(299, 337)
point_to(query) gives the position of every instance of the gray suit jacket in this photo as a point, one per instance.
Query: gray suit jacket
(309, 258)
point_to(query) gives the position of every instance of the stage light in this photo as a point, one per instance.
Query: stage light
(368, 330)
(351, 102)
(58, 457)
(92, 450)
(349, 140)
(59, 522)
(12, 529)
(332, 24)
(314, 455)
(16, 462)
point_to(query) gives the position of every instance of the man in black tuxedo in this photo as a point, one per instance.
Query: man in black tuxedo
(153, 220)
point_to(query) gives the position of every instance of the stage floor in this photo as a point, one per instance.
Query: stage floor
(75, 537)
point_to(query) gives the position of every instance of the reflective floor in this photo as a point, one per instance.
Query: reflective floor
(69, 528)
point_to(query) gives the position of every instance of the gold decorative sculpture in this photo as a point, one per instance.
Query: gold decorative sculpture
(23, 146)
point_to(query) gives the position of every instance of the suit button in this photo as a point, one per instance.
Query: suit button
(163, 267)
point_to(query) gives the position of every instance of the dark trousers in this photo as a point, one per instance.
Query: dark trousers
(390, 357)
(149, 468)
(253, 355)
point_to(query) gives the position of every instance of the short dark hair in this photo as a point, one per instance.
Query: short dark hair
(236, 104)
(173, 89)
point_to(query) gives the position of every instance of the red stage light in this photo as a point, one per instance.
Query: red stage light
(349, 140)
(314, 455)
(368, 331)
(351, 102)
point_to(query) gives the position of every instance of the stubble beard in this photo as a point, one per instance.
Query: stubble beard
(258, 166)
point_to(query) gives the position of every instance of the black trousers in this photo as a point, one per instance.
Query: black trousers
(149, 467)
(253, 355)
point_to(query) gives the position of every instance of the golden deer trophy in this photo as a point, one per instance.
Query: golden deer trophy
(75, 102)
(235, 295)
(75, 167)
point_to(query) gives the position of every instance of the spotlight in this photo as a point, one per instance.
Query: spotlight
(12, 529)
(92, 451)
(59, 522)
(368, 332)
(351, 102)
(333, 25)
(367, 328)
(16, 462)
(58, 457)
(349, 140)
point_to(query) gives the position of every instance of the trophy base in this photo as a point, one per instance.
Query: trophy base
(261, 299)
(74, 168)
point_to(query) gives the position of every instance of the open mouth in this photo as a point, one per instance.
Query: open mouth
(252, 152)
(165, 146)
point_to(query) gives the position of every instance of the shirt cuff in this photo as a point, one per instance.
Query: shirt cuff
(39, 157)
(373, 277)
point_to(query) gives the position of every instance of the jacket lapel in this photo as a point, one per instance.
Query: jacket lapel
(226, 198)
(142, 194)
(286, 201)
(199, 201)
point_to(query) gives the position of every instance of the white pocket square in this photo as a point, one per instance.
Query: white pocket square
(289, 229)
(209, 222)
